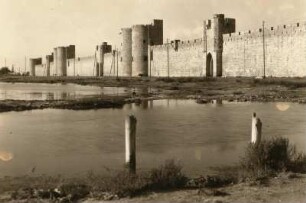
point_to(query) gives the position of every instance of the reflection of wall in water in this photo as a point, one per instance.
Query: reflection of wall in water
(217, 102)
(64, 95)
(138, 104)
(50, 96)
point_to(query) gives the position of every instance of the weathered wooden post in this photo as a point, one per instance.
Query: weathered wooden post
(130, 143)
(256, 130)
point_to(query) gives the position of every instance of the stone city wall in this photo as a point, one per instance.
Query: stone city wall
(185, 59)
(285, 52)
(241, 54)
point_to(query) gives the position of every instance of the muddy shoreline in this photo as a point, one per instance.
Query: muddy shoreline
(283, 187)
(202, 90)
(81, 104)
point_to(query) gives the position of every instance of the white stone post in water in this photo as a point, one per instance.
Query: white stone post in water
(253, 132)
(256, 130)
(130, 143)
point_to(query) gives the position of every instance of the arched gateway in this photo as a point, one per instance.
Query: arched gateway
(209, 65)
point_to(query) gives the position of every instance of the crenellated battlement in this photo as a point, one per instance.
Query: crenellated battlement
(84, 58)
(180, 44)
(285, 30)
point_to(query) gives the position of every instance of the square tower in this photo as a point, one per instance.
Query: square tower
(156, 32)
(213, 30)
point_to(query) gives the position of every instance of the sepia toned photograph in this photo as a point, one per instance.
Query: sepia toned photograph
(144, 101)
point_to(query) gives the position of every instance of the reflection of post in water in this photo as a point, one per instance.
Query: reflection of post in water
(137, 102)
(151, 104)
(141, 104)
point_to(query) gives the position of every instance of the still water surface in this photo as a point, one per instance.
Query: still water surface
(41, 91)
(199, 136)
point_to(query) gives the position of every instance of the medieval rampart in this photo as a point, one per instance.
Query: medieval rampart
(185, 59)
(275, 51)
(285, 52)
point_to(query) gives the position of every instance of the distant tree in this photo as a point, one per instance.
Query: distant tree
(4, 71)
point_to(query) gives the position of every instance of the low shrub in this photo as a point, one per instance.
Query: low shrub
(272, 156)
(5, 71)
(75, 191)
(167, 176)
(297, 163)
(127, 184)
(225, 175)
(124, 184)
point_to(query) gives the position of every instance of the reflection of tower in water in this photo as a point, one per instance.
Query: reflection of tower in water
(127, 106)
(151, 104)
(138, 104)
(144, 104)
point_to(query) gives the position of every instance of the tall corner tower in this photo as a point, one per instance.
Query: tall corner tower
(140, 50)
(126, 52)
(61, 61)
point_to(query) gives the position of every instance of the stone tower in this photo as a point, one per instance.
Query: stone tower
(33, 62)
(49, 59)
(140, 50)
(135, 45)
(126, 52)
(61, 61)
(32, 66)
(102, 49)
(213, 42)
(156, 32)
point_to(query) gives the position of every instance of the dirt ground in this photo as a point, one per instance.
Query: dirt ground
(282, 188)
(285, 187)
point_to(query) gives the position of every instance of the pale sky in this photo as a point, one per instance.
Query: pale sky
(33, 27)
